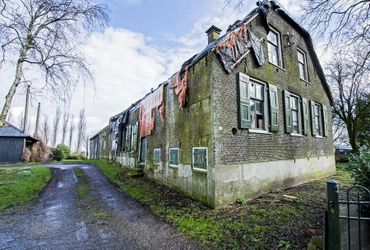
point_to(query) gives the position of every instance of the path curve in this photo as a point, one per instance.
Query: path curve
(105, 219)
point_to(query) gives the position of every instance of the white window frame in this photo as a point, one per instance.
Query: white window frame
(154, 151)
(320, 121)
(280, 63)
(169, 157)
(265, 105)
(192, 160)
(299, 113)
(305, 66)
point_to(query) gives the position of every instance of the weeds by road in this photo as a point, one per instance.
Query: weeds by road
(18, 186)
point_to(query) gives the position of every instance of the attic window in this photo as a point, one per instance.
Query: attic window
(274, 48)
(302, 64)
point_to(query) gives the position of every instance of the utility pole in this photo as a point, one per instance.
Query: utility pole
(26, 109)
(37, 122)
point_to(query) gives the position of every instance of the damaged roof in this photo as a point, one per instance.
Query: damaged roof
(263, 9)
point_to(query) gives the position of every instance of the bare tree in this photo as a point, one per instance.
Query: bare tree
(10, 117)
(21, 123)
(351, 91)
(344, 23)
(56, 126)
(44, 35)
(81, 130)
(71, 131)
(45, 130)
(65, 126)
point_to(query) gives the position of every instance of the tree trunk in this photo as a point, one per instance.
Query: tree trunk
(11, 93)
(353, 134)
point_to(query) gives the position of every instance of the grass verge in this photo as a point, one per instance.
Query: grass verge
(18, 186)
(285, 219)
(82, 187)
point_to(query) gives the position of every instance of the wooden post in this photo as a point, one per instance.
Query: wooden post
(26, 109)
(333, 223)
(37, 121)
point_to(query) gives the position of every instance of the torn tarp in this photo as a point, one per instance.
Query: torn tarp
(236, 45)
(179, 82)
(152, 101)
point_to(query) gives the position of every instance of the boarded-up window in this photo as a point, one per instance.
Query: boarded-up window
(173, 156)
(200, 158)
(157, 156)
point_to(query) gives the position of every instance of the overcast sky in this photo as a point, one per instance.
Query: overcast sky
(145, 42)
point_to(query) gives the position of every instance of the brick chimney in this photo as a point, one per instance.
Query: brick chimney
(213, 33)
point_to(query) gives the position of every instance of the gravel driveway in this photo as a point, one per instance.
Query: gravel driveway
(105, 218)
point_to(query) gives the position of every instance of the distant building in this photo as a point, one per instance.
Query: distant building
(247, 115)
(12, 143)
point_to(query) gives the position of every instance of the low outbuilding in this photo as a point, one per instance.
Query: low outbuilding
(12, 143)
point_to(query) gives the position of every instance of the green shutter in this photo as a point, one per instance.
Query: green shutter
(325, 116)
(274, 108)
(306, 116)
(313, 123)
(244, 102)
(288, 113)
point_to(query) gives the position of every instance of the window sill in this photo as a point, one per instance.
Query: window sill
(320, 137)
(258, 131)
(174, 166)
(296, 135)
(305, 81)
(277, 66)
(200, 170)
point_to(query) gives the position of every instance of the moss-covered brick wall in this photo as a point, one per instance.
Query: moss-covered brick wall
(245, 147)
(184, 128)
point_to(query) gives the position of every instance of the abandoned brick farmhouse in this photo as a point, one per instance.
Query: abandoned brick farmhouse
(248, 114)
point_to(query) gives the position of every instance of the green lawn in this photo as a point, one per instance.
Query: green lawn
(18, 186)
(285, 219)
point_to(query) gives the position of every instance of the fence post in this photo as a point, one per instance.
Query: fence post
(333, 223)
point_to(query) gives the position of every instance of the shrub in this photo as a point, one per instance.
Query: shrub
(65, 149)
(58, 154)
(359, 166)
(40, 152)
(73, 157)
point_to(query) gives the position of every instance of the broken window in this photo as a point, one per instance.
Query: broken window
(157, 156)
(274, 48)
(257, 96)
(200, 158)
(173, 156)
(302, 64)
(134, 135)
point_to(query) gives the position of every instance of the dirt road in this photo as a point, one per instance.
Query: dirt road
(91, 214)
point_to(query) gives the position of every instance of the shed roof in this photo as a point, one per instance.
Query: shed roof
(9, 130)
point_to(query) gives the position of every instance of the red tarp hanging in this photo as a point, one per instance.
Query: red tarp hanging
(180, 85)
(147, 105)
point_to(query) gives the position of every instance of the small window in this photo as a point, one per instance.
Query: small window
(294, 105)
(302, 64)
(157, 156)
(257, 99)
(173, 156)
(318, 119)
(200, 158)
(274, 48)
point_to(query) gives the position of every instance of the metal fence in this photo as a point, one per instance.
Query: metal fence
(345, 219)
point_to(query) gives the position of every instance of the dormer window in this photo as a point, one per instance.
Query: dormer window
(302, 64)
(274, 48)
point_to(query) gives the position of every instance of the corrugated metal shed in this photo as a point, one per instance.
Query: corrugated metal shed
(9, 130)
(12, 143)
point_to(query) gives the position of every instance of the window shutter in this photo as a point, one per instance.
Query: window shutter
(288, 113)
(325, 116)
(313, 122)
(306, 116)
(274, 108)
(244, 102)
